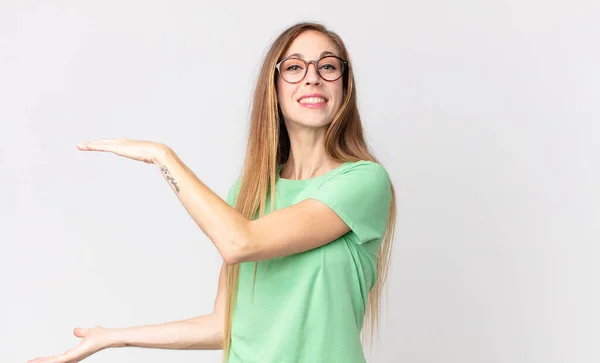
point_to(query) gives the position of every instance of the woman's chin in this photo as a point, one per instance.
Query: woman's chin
(312, 123)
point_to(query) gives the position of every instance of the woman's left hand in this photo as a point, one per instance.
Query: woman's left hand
(146, 151)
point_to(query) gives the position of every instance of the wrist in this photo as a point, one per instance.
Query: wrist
(114, 338)
(162, 155)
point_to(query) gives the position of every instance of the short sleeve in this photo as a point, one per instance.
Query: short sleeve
(361, 195)
(232, 193)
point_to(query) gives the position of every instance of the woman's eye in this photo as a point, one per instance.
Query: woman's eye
(293, 67)
(328, 67)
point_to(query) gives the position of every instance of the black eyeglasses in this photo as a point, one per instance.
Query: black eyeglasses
(330, 68)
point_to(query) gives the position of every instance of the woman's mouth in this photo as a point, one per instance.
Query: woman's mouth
(312, 102)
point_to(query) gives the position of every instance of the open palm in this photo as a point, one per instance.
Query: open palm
(94, 340)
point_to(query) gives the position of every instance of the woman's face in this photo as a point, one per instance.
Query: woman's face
(313, 101)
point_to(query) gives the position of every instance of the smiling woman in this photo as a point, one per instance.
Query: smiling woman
(305, 232)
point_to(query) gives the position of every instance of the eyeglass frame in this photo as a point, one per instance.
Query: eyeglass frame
(316, 64)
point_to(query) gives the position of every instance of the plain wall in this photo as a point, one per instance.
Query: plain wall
(484, 113)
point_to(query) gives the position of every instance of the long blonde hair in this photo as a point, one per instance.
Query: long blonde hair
(269, 145)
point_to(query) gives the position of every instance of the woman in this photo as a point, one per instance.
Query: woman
(305, 232)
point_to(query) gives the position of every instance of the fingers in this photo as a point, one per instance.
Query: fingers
(102, 144)
(99, 145)
(53, 359)
(60, 358)
(73, 355)
(108, 141)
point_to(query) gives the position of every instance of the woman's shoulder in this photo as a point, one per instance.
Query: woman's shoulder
(363, 168)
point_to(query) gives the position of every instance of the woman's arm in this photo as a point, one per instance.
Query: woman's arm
(202, 332)
(300, 227)
(221, 223)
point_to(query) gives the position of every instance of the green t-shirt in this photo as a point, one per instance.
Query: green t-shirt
(309, 307)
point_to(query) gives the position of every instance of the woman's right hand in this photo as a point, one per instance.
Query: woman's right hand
(94, 340)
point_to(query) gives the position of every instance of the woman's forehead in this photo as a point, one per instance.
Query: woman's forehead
(311, 45)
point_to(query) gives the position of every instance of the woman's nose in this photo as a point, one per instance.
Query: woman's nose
(312, 75)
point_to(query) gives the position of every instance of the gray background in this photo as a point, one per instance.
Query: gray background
(484, 113)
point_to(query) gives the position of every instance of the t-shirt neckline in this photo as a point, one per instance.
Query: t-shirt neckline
(309, 180)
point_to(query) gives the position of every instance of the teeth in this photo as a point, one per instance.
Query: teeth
(312, 100)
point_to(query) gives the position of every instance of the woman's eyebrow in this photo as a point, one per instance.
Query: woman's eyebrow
(298, 55)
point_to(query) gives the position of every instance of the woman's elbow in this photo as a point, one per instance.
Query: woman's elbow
(237, 251)
(219, 338)
(230, 258)
(241, 246)
(208, 332)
